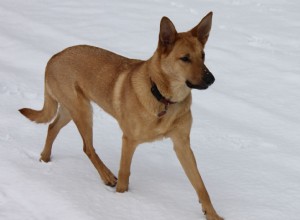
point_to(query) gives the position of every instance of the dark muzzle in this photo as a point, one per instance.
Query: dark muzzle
(207, 80)
(208, 77)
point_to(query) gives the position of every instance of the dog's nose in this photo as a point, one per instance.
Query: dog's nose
(208, 77)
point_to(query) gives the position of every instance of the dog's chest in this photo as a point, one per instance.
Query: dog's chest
(150, 130)
(147, 126)
(162, 126)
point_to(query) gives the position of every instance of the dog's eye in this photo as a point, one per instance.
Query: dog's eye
(185, 59)
(203, 56)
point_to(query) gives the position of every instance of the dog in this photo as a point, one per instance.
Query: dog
(150, 99)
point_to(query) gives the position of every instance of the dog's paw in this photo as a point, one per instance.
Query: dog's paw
(211, 214)
(213, 217)
(112, 182)
(108, 178)
(121, 188)
(44, 158)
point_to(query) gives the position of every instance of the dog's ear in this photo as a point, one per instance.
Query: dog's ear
(201, 31)
(168, 33)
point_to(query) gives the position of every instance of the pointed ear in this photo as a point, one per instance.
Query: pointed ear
(201, 31)
(167, 34)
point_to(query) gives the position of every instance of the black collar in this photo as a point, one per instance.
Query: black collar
(160, 98)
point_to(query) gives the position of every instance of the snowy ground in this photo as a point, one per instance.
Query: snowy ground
(246, 131)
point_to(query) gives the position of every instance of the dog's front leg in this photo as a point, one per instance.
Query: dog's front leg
(128, 148)
(188, 162)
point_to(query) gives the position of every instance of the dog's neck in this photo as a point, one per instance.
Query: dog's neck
(172, 89)
(156, 93)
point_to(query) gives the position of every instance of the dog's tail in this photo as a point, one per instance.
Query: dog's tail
(46, 114)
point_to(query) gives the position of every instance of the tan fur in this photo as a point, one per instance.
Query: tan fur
(82, 74)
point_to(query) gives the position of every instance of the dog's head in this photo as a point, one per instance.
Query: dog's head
(182, 55)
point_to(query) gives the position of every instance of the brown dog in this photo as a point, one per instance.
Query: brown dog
(149, 99)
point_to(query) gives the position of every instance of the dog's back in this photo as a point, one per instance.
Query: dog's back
(92, 70)
(89, 70)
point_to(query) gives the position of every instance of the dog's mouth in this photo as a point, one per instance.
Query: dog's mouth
(207, 80)
(201, 86)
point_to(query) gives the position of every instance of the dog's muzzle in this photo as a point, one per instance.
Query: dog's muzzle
(207, 80)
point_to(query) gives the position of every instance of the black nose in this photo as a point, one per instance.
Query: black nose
(208, 77)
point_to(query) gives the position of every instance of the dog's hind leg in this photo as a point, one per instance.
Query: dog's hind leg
(63, 118)
(81, 113)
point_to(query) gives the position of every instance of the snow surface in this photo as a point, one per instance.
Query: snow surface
(245, 134)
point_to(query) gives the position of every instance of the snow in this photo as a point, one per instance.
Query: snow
(245, 134)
